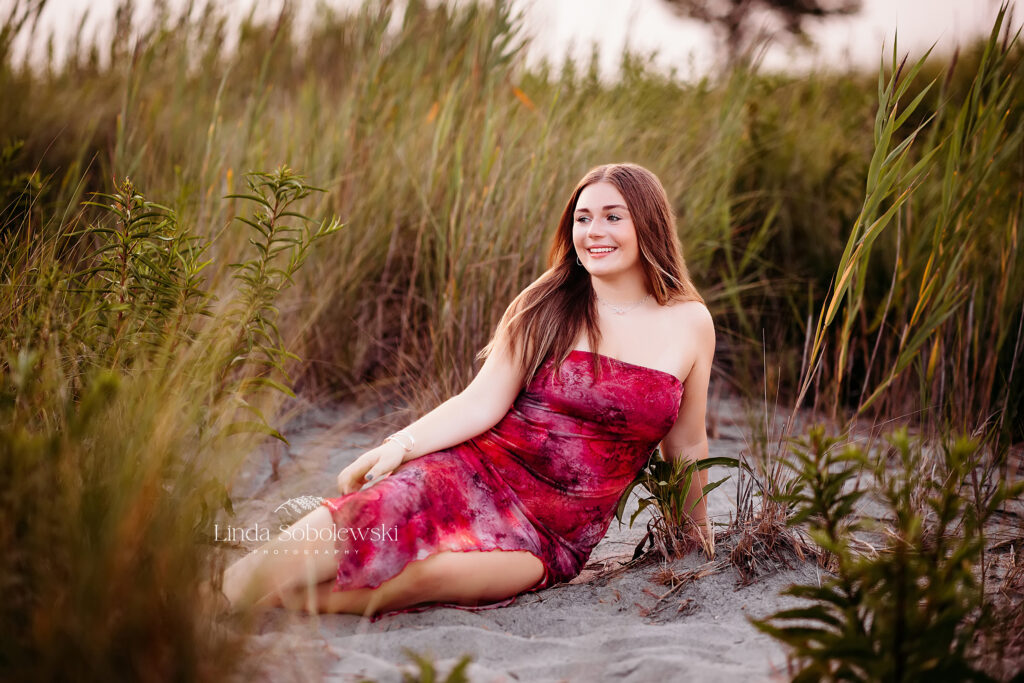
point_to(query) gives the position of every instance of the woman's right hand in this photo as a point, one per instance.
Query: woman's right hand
(377, 462)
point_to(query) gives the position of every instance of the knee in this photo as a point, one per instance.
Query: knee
(316, 528)
(320, 518)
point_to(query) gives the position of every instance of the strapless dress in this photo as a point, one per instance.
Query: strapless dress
(546, 478)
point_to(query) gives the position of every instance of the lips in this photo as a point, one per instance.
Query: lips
(601, 251)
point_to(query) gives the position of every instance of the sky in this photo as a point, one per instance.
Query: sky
(574, 26)
(859, 40)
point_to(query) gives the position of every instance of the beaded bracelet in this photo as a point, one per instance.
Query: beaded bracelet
(394, 437)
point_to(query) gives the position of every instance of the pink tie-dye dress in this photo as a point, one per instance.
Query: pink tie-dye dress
(545, 479)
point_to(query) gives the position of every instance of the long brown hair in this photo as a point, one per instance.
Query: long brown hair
(545, 319)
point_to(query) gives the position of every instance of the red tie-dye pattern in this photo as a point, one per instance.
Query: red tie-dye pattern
(545, 479)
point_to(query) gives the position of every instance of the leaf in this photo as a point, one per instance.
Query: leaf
(250, 197)
(712, 486)
(639, 550)
(246, 427)
(266, 382)
(256, 226)
(644, 503)
(620, 508)
(816, 612)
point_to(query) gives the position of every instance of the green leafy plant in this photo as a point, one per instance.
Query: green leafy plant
(926, 170)
(281, 249)
(143, 282)
(428, 671)
(908, 612)
(671, 530)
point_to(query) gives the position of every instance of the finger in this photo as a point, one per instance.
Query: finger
(351, 478)
(385, 466)
(347, 481)
(373, 482)
(376, 473)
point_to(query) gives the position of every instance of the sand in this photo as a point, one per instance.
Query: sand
(595, 628)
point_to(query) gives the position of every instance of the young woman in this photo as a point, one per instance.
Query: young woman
(509, 485)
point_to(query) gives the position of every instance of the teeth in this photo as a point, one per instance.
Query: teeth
(602, 250)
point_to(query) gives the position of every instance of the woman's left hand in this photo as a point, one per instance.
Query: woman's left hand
(369, 468)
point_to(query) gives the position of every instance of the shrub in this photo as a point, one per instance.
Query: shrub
(909, 612)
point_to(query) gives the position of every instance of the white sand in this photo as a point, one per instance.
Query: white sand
(589, 630)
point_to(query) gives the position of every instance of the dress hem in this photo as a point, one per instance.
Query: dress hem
(543, 582)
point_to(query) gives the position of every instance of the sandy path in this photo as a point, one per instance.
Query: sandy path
(590, 630)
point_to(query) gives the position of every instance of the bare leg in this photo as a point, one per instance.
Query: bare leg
(288, 561)
(466, 578)
(300, 572)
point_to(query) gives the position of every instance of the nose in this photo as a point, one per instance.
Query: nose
(594, 228)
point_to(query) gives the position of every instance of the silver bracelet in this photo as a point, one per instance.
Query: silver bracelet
(394, 437)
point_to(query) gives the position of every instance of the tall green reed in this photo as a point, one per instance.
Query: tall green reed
(915, 311)
(452, 158)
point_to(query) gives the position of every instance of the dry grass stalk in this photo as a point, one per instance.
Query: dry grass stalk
(1000, 647)
(765, 544)
(676, 580)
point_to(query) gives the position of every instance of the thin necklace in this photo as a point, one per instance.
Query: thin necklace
(621, 309)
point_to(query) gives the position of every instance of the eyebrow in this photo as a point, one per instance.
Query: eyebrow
(605, 208)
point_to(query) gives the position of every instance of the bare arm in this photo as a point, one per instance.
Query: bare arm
(473, 411)
(687, 440)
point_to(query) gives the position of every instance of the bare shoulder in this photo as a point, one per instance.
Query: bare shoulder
(692, 322)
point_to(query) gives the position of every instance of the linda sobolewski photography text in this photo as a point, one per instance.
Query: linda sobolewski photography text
(300, 532)
(856, 237)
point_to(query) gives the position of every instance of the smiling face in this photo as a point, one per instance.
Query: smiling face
(603, 232)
